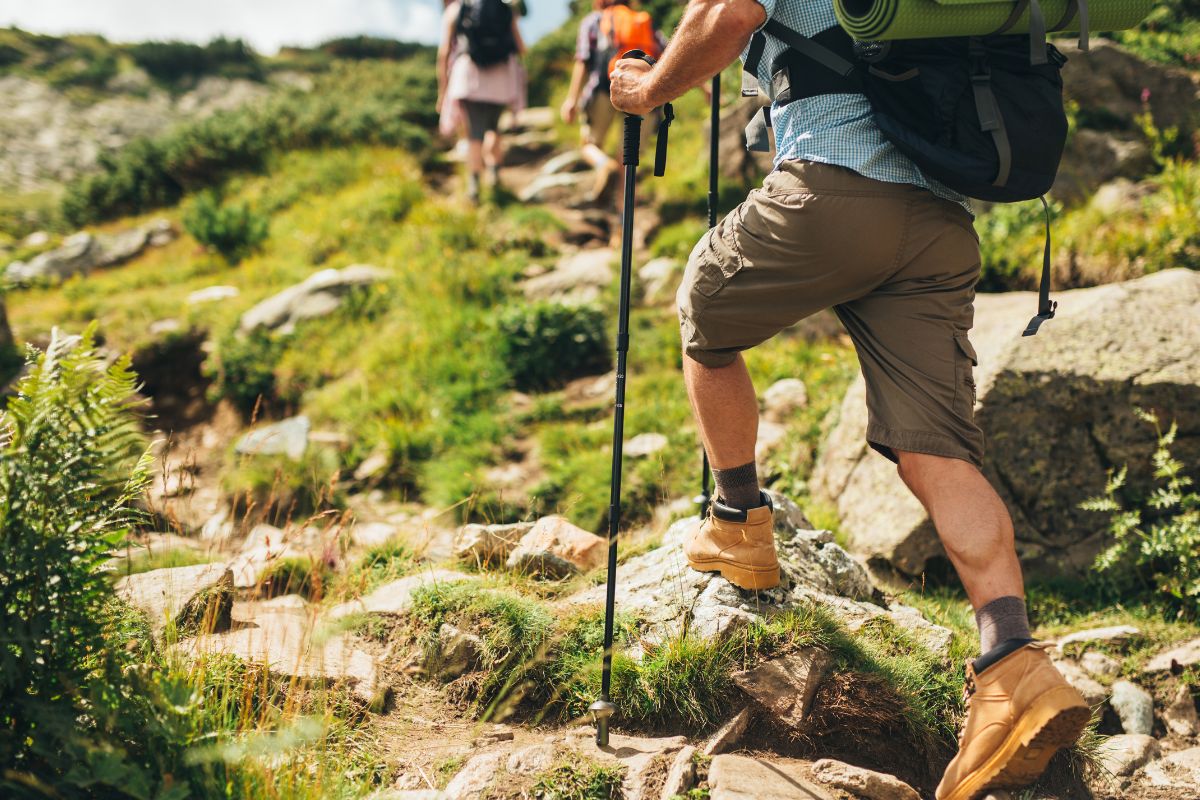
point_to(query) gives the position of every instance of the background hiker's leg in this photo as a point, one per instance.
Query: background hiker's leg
(493, 148)
(726, 410)
(971, 521)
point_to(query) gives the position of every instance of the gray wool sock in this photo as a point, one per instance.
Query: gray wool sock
(1000, 620)
(738, 486)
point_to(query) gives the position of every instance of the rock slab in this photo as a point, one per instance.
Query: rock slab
(1056, 410)
(555, 548)
(733, 777)
(861, 782)
(785, 686)
(195, 598)
(1134, 705)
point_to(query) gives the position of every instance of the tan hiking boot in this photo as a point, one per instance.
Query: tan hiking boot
(738, 544)
(1020, 712)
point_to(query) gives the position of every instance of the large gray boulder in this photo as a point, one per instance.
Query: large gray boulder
(670, 598)
(193, 599)
(1110, 83)
(317, 296)
(1057, 409)
(83, 252)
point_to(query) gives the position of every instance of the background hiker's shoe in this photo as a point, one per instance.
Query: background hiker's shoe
(738, 544)
(605, 177)
(1020, 712)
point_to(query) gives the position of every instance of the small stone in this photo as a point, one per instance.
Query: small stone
(861, 782)
(1123, 754)
(645, 444)
(212, 294)
(1185, 655)
(454, 653)
(486, 544)
(783, 398)
(1179, 770)
(372, 534)
(728, 735)
(289, 438)
(681, 777)
(1093, 692)
(1134, 705)
(1113, 634)
(770, 436)
(554, 548)
(475, 776)
(1180, 716)
(577, 277)
(1100, 664)
(531, 760)
(659, 278)
(161, 327)
(785, 686)
(372, 465)
(567, 161)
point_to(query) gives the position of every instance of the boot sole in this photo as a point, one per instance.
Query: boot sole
(739, 575)
(1057, 721)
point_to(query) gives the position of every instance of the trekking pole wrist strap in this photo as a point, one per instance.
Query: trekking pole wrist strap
(633, 129)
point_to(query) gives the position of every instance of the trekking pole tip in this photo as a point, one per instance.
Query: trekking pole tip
(601, 711)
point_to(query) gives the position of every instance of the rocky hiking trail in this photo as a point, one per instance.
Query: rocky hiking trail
(799, 722)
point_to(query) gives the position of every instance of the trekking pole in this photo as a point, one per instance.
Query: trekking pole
(604, 708)
(714, 126)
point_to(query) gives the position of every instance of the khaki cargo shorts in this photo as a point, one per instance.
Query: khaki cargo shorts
(896, 263)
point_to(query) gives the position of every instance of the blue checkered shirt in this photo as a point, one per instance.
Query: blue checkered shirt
(833, 128)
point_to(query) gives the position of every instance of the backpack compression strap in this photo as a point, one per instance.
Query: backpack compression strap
(1046, 306)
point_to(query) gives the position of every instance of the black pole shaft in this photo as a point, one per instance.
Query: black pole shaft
(714, 128)
(633, 125)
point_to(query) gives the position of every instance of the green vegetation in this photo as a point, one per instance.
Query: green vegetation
(234, 231)
(1156, 538)
(377, 566)
(70, 471)
(171, 63)
(547, 344)
(1170, 35)
(162, 558)
(370, 102)
(572, 781)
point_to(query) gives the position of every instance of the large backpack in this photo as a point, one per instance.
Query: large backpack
(486, 30)
(983, 115)
(623, 29)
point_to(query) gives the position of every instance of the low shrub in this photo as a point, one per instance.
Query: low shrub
(233, 230)
(243, 370)
(373, 102)
(572, 781)
(1155, 537)
(173, 61)
(547, 344)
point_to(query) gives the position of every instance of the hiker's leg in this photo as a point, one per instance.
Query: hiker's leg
(493, 149)
(726, 410)
(474, 156)
(972, 522)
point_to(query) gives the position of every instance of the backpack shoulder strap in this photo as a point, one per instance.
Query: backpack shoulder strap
(810, 48)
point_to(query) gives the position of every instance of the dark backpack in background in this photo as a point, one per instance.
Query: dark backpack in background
(486, 30)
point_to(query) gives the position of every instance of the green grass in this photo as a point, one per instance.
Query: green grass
(379, 565)
(570, 780)
(162, 558)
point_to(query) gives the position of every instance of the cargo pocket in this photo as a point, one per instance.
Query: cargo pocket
(717, 258)
(965, 362)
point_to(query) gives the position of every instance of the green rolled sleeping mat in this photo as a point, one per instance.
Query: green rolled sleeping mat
(868, 20)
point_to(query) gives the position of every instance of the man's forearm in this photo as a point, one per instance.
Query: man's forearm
(710, 37)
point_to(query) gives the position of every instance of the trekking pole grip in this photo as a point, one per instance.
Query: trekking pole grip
(633, 139)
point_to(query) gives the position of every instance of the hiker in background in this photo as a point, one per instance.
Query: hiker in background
(847, 221)
(479, 75)
(612, 28)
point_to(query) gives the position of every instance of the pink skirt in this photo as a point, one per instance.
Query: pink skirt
(503, 84)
